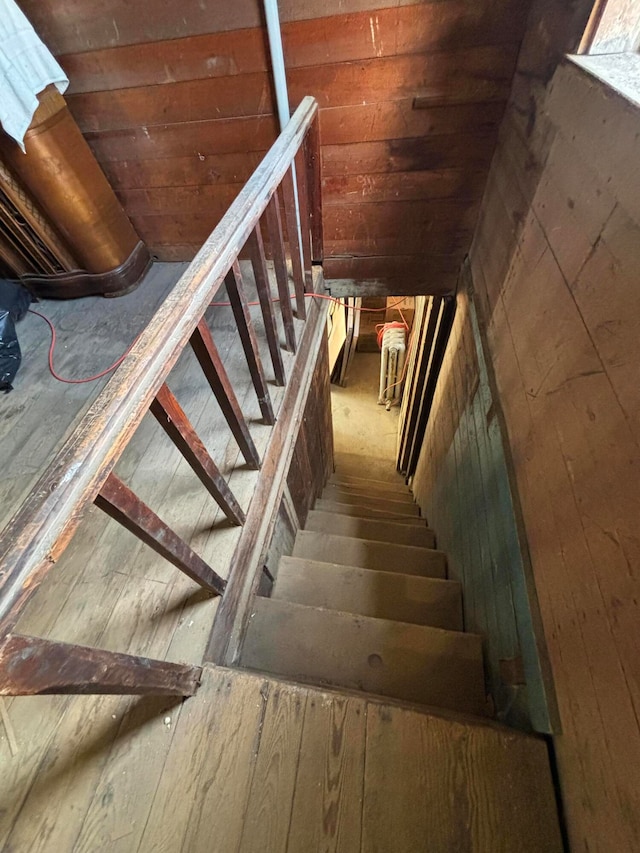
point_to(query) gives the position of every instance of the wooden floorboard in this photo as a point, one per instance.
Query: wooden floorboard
(251, 763)
(111, 591)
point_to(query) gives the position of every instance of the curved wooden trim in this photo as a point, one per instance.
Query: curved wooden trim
(77, 283)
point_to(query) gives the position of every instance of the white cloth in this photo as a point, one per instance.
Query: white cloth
(26, 68)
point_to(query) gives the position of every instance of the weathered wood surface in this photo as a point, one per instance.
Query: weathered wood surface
(461, 482)
(171, 417)
(237, 298)
(293, 235)
(555, 269)
(310, 769)
(274, 227)
(121, 504)
(113, 592)
(31, 666)
(184, 99)
(256, 252)
(40, 531)
(233, 615)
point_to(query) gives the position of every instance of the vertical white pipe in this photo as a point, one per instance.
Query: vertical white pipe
(282, 96)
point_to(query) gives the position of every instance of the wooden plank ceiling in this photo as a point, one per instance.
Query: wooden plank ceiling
(176, 100)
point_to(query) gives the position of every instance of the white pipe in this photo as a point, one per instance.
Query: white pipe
(282, 96)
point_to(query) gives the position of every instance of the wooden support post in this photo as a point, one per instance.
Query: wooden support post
(240, 308)
(119, 502)
(305, 223)
(207, 354)
(274, 226)
(314, 185)
(261, 274)
(30, 666)
(171, 417)
(294, 243)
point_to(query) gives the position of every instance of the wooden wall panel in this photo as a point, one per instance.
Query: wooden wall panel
(555, 261)
(175, 95)
(462, 484)
(312, 462)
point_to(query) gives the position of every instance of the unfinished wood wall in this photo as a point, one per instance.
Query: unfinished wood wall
(312, 462)
(462, 485)
(176, 101)
(556, 261)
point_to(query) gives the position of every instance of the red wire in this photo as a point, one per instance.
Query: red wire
(52, 348)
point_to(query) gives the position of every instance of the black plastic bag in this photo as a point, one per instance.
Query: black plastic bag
(14, 304)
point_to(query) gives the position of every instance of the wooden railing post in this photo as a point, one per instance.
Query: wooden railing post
(207, 354)
(119, 502)
(240, 308)
(171, 417)
(274, 226)
(294, 243)
(314, 185)
(263, 286)
(30, 666)
(305, 225)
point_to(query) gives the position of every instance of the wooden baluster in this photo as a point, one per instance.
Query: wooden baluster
(30, 666)
(171, 417)
(274, 226)
(125, 507)
(294, 243)
(240, 308)
(259, 264)
(305, 223)
(207, 354)
(314, 185)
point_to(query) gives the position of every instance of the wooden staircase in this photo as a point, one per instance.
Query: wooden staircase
(363, 607)
(364, 603)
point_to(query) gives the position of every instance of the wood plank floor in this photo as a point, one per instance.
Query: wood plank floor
(108, 589)
(254, 764)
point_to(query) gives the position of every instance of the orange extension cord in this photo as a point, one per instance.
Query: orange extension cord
(52, 329)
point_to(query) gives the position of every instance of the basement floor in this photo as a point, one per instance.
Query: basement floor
(362, 428)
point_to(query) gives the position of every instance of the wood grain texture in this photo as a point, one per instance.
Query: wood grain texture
(564, 223)
(268, 816)
(183, 98)
(410, 29)
(459, 814)
(409, 662)
(327, 804)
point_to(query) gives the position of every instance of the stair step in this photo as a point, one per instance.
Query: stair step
(368, 528)
(383, 595)
(354, 464)
(365, 484)
(362, 511)
(405, 507)
(409, 662)
(369, 554)
(381, 494)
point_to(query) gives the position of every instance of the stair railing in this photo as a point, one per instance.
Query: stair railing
(82, 471)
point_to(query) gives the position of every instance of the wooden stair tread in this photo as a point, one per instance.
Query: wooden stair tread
(383, 595)
(426, 665)
(369, 554)
(354, 464)
(392, 532)
(381, 485)
(362, 511)
(374, 501)
(381, 494)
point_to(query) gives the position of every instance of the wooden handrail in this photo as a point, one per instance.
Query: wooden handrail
(38, 533)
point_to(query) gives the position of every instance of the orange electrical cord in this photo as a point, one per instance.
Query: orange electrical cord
(118, 362)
